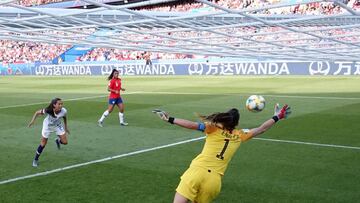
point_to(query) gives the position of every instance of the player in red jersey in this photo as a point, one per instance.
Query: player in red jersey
(114, 88)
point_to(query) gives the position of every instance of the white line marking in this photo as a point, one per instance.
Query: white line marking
(312, 97)
(268, 95)
(308, 143)
(31, 104)
(74, 99)
(160, 147)
(98, 161)
(187, 93)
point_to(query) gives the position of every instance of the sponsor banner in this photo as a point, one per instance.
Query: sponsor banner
(17, 69)
(191, 68)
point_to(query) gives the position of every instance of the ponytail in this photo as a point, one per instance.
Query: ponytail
(229, 120)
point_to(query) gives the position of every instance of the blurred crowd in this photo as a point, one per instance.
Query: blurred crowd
(244, 37)
(304, 9)
(325, 8)
(24, 52)
(37, 2)
(105, 54)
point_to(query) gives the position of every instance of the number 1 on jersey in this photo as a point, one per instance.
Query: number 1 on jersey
(221, 155)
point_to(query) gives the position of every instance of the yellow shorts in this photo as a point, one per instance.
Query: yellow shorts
(199, 185)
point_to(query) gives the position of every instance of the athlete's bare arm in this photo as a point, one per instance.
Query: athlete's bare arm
(36, 114)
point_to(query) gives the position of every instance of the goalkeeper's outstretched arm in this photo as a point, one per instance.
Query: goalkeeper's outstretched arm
(186, 123)
(263, 127)
(177, 121)
(278, 115)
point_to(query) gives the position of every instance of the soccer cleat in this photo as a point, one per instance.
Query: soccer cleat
(124, 124)
(57, 143)
(100, 124)
(35, 163)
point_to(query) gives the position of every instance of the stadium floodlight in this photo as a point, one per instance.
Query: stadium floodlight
(250, 33)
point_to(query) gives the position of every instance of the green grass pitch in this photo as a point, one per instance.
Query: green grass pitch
(326, 110)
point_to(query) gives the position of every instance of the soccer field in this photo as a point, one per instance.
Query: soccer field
(313, 156)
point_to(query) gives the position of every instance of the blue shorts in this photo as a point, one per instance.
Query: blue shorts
(115, 101)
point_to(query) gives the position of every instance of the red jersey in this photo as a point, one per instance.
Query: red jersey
(115, 84)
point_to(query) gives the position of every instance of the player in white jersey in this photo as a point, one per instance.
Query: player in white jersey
(52, 123)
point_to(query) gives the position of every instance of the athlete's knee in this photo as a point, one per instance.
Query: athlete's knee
(43, 141)
(63, 139)
(121, 108)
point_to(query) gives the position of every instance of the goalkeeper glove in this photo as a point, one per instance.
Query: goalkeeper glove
(281, 113)
(162, 114)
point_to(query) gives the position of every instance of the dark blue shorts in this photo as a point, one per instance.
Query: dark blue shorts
(115, 101)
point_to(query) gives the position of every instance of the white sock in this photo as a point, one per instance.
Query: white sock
(121, 117)
(105, 114)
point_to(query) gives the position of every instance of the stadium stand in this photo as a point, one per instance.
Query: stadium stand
(24, 52)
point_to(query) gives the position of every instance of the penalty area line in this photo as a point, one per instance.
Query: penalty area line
(186, 93)
(242, 94)
(98, 161)
(161, 147)
(37, 103)
(307, 143)
(73, 99)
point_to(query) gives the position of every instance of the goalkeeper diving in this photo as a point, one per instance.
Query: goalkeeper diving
(201, 182)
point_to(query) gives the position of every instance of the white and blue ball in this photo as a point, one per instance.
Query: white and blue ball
(255, 103)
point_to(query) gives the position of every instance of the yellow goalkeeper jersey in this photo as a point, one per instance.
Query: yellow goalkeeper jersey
(220, 146)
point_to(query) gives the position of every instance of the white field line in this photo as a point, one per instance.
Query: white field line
(74, 99)
(160, 147)
(267, 95)
(31, 104)
(97, 161)
(308, 143)
(312, 97)
(186, 93)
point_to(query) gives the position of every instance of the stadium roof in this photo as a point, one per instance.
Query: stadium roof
(212, 32)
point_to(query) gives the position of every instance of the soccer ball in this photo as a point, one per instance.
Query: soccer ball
(255, 103)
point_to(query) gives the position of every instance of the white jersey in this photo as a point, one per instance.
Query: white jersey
(51, 121)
